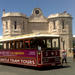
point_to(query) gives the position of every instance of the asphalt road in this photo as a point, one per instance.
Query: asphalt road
(68, 69)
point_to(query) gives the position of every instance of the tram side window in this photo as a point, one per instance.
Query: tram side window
(5, 46)
(21, 44)
(27, 44)
(1, 45)
(32, 44)
(16, 45)
(9, 46)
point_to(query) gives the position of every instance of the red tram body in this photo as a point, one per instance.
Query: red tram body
(31, 55)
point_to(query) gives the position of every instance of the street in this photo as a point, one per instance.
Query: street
(67, 69)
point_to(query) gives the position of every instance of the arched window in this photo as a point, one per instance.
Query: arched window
(23, 25)
(54, 25)
(63, 44)
(6, 25)
(15, 25)
(62, 24)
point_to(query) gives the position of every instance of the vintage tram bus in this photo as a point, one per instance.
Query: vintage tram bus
(31, 50)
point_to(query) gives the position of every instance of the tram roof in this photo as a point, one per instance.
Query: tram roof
(27, 36)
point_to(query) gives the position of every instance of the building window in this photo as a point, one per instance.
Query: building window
(23, 25)
(54, 25)
(63, 44)
(6, 25)
(62, 24)
(15, 25)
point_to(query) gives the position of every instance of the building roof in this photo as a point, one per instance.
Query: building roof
(27, 36)
(13, 14)
(64, 14)
(73, 35)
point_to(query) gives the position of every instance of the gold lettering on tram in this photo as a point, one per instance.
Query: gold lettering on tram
(18, 53)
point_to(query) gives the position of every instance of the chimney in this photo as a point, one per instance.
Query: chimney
(65, 11)
(3, 11)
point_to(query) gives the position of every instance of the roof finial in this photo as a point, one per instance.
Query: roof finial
(65, 11)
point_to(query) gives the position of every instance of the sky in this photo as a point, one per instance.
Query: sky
(48, 7)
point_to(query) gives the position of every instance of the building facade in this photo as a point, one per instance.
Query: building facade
(15, 23)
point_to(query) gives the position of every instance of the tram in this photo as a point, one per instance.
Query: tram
(36, 50)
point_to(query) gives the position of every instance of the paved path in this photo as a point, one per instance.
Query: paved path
(68, 69)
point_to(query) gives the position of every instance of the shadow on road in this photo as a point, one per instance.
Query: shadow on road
(51, 68)
(36, 68)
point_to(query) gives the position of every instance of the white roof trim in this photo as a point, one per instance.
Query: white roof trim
(27, 36)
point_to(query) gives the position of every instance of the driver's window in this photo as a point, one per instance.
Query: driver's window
(48, 43)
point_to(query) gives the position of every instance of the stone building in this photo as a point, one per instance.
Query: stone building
(15, 23)
(73, 40)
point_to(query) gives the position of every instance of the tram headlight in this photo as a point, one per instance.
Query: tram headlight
(39, 53)
(52, 53)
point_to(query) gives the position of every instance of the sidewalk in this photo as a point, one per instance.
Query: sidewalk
(70, 59)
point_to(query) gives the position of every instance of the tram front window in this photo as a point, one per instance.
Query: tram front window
(52, 44)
